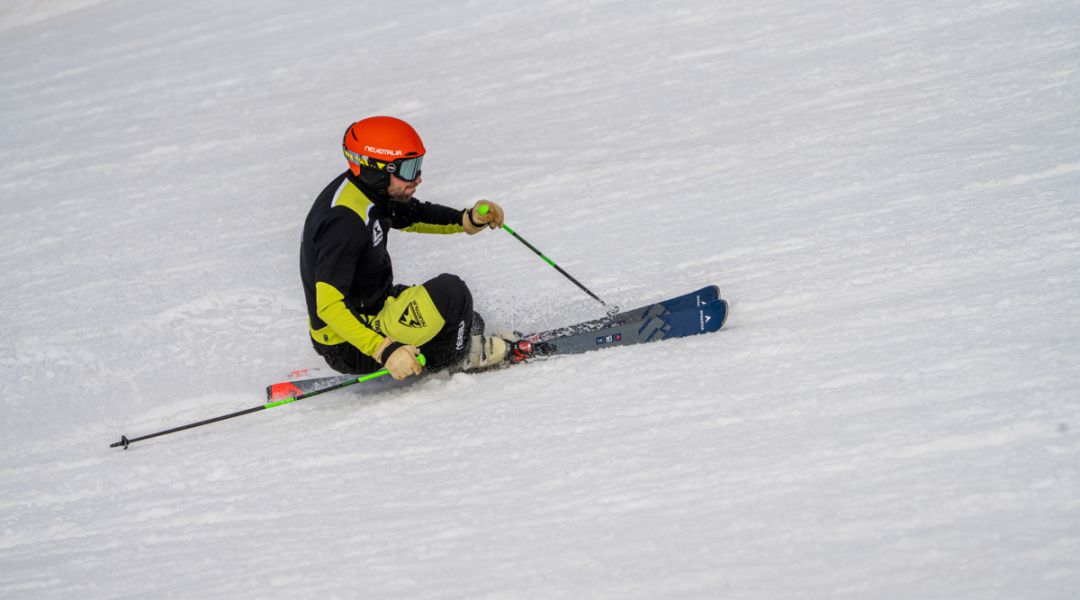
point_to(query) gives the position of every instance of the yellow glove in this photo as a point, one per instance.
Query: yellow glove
(399, 359)
(476, 218)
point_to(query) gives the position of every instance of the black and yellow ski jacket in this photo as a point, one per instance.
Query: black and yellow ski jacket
(344, 263)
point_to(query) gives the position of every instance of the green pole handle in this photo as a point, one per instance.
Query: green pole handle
(484, 209)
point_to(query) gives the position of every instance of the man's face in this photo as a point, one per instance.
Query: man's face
(401, 190)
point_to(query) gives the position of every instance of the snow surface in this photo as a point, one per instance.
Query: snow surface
(886, 192)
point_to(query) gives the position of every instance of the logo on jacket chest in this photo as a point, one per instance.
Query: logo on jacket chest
(376, 233)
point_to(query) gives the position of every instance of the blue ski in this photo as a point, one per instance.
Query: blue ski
(693, 299)
(706, 318)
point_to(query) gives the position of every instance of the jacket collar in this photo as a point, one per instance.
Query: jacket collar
(378, 198)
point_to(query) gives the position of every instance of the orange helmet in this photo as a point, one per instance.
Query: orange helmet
(382, 143)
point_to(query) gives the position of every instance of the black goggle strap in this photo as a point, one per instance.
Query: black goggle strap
(364, 161)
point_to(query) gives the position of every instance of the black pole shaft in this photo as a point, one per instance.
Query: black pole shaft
(125, 441)
(552, 263)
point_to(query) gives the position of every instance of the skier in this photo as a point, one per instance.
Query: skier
(360, 320)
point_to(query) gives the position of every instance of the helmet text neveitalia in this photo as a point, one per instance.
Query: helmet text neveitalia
(383, 151)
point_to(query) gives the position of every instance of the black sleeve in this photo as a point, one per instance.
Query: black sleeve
(415, 211)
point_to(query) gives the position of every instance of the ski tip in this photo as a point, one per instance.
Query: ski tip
(280, 391)
(713, 315)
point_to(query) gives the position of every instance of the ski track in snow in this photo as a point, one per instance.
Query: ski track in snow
(884, 192)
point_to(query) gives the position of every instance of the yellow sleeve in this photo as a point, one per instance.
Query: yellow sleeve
(330, 305)
(429, 228)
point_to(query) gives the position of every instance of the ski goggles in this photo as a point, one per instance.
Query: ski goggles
(405, 168)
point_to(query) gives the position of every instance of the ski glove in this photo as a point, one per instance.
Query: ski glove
(399, 359)
(473, 222)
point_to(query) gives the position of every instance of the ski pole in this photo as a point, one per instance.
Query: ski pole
(125, 442)
(483, 210)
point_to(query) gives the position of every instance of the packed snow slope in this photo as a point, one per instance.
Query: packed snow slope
(885, 191)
